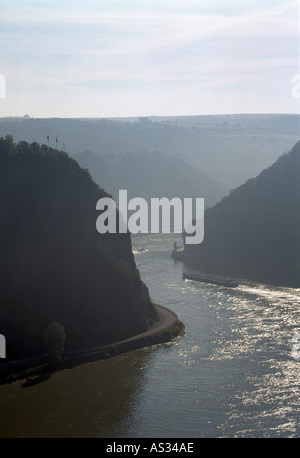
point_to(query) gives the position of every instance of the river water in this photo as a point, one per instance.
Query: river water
(235, 373)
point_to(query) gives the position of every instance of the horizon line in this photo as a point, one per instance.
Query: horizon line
(26, 116)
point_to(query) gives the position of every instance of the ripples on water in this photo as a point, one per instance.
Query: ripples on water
(234, 374)
(242, 349)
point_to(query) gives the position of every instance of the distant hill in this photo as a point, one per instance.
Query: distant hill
(254, 233)
(150, 175)
(229, 148)
(54, 265)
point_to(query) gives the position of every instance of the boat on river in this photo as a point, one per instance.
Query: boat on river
(212, 280)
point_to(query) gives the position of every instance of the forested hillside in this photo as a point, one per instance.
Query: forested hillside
(255, 232)
(150, 175)
(228, 148)
(54, 264)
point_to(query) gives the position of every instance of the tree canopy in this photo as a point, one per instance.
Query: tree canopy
(54, 264)
(255, 231)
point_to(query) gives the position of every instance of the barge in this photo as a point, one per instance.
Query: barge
(214, 281)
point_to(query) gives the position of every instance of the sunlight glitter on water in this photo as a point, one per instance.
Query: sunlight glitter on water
(235, 373)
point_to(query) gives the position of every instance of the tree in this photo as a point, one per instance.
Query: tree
(55, 339)
(7, 145)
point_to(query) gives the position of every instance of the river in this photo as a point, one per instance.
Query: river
(235, 373)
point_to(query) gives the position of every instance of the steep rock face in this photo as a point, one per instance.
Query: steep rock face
(54, 265)
(255, 232)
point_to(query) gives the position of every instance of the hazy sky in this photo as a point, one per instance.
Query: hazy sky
(109, 58)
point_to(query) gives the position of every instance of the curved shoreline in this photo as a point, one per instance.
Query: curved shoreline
(168, 328)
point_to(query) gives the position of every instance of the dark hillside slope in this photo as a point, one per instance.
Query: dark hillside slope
(255, 232)
(229, 148)
(150, 175)
(54, 264)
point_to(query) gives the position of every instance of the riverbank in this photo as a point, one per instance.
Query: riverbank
(165, 330)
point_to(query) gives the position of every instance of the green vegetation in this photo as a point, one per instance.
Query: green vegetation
(254, 233)
(54, 265)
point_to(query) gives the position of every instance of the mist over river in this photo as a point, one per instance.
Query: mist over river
(235, 373)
